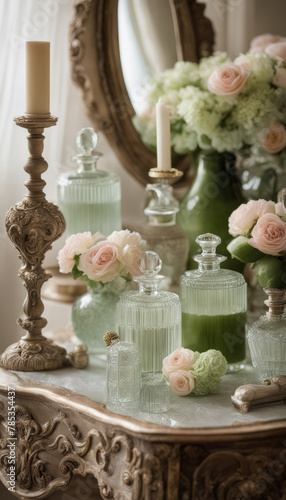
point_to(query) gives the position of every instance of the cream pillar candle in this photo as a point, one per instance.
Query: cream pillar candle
(163, 136)
(37, 77)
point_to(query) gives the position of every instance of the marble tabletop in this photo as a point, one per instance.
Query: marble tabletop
(188, 412)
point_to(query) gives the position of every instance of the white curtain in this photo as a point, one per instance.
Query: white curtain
(236, 22)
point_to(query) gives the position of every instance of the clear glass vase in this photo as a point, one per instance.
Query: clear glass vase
(215, 193)
(267, 337)
(94, 314)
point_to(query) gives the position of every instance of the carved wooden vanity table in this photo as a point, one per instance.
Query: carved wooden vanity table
(203, 448)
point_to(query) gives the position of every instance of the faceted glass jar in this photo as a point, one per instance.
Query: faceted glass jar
(150, 318)
(90, 199)
(214, 306)
(123, 381)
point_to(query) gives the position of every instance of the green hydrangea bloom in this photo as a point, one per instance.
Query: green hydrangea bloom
(208, 369)
(203, 120)
(210, 363)
(206, 385)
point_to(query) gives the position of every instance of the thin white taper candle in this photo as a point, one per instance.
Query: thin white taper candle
(163, 136)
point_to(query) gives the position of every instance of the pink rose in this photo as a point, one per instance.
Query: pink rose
(269, 234)
(259, 43)
(243, 218)
(227, 80)
(76, 244)
(131, 251)
(180, 359)
(101, 262)
(276, 50)
(275, 138)
(279, 79)
(125, 237)
(182, 382)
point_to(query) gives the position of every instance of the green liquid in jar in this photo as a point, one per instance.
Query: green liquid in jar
(225, 333)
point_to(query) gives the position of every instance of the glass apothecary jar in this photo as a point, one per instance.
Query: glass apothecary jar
(90, 199)
(150, 317)
(214, 306)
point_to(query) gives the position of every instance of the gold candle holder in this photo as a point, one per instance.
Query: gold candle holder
(33, 225)
(172, 174)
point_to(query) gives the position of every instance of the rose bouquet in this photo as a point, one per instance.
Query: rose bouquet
(105, 263)
(189, 372)
(223, 105)
(259, 228)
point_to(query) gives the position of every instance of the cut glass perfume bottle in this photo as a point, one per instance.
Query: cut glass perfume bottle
(90, 199)
(122, 373)
(150, 317)
(214, 306)
(163, 235)
(267, 337)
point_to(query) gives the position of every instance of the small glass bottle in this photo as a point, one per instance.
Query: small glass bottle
(155, 393)
(150, 317)
(122, 373)
(163, 235)
(267, 337)
(90, 199)
(214, 306)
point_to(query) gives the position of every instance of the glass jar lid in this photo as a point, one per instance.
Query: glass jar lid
(209, 274)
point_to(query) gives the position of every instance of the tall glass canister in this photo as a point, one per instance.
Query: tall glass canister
(214, 306)
(90, 199)
(150, 317)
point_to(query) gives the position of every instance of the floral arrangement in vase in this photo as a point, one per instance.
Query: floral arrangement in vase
(259, 228)
(107, 265)
(102, 262)
(218, 108)
(223, 105)
(189, 372)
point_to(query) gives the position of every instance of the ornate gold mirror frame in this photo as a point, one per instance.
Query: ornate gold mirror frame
(96, 69)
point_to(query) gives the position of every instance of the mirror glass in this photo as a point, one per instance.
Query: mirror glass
(146, 43)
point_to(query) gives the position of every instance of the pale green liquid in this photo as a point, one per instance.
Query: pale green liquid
(103, 217)
(226, 333)
(155, 343)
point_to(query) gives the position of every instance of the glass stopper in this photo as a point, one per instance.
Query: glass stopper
(150, 263)
(208, 259)
(208, 243)
(86, 140)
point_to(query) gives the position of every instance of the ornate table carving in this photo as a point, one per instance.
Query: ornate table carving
(60, 435)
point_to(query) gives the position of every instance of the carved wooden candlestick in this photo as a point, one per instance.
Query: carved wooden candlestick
(33, 225)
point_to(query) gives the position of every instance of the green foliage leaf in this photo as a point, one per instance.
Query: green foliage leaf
(240, 249)
(271, 272)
